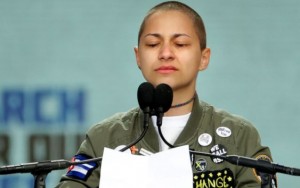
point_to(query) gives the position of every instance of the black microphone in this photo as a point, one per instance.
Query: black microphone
(259, 164)
(262, 165)
(145, 96)
(35, 167)
(162, 101)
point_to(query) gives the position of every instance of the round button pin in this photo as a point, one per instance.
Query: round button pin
(204, 139)
(219, 150)
(200, 165)
(223, 131)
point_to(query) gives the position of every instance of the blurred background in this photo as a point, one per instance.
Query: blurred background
(67, 64)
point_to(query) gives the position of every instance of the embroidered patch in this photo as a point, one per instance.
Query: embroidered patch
(266, 180)
(81, 171)
(214, 179)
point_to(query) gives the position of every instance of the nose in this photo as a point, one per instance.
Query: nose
(166, 52)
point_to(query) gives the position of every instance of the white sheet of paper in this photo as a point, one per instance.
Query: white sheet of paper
(170, 168)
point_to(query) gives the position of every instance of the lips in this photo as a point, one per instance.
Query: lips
(166, 69)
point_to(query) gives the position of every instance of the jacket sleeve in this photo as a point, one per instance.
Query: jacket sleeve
(89, 179)
(250, 146)
(110, 133)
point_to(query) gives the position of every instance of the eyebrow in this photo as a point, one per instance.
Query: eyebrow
(173, 36)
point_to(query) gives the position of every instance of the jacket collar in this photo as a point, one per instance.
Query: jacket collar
(186, 136)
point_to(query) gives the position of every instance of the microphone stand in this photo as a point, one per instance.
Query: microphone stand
(259, 164)
(146, 126)
(159, 123)
(40, 170)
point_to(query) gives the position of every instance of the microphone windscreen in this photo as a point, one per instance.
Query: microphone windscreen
(145, 95)
(163, 97)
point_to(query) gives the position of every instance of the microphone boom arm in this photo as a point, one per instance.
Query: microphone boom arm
(259, 164)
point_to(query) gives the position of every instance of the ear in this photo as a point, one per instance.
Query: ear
(205, 57)
(137, 58)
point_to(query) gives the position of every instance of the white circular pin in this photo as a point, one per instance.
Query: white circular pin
(223, 131)
(204, 139)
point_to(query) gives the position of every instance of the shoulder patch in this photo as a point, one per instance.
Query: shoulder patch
(266, 180)
(81, 171)
(211, 179)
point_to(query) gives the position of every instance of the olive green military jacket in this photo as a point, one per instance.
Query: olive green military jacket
(208, 130)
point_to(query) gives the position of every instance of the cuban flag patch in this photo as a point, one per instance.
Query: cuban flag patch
(81, 171)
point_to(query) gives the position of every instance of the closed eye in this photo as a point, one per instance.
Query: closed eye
(181, 45)
(152, 45)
